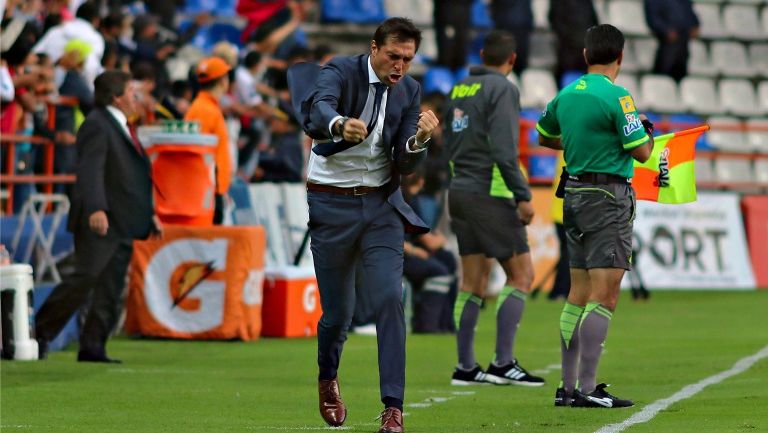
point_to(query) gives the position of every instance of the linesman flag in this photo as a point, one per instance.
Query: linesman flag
(668, 175)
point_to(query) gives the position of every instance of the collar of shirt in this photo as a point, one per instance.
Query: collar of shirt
(372, 77)
(483, 70)
(208, 97)
(122, 120)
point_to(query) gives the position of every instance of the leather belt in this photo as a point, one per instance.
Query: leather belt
(354, 190)
(599, 178)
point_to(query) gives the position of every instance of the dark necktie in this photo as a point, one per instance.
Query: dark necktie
(331, 148)
(135, 139)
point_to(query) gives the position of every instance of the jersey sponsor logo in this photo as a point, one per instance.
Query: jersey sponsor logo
(464, 90)
(633, 124)
(627, 104)
(460, 120)
(663, 178)
(582, 85)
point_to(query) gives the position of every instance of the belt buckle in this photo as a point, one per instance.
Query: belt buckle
(361, 192)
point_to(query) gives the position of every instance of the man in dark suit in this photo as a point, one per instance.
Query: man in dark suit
(363, 113)
(111, 206)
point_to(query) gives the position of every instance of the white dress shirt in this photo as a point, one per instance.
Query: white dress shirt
(365, 164)
(120, 117)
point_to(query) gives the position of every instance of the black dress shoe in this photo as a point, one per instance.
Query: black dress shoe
(42, 348)
(90, 357)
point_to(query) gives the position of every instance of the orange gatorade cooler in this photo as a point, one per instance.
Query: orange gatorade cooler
(184, 173)
(291, 305)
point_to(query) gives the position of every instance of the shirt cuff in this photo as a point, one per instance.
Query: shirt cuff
(417, 147)
(335, 138)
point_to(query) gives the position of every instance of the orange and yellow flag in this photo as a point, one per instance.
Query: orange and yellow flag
(669, 176)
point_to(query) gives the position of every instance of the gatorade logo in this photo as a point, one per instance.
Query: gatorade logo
(184, 284)
(309, 298)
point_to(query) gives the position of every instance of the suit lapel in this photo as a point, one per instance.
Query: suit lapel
(362, 88)
(126, 138)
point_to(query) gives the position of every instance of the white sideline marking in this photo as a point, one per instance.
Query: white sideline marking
(654, 408)
(547, 369)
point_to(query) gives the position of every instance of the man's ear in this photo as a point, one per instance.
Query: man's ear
(621, 58)
(584, 52)
(512, 59)
(374, 48)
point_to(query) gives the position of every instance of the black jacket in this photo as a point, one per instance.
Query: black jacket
(111, 176)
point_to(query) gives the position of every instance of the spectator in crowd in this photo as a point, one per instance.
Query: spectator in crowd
(151, 48)
(213, 76)
(111, 30)
(431, 270)
(111, 206)
(17, 39)
(570, 20)
(674, 23)
(430, 198)
(69, 70)
(453, 26)
(283, 158)
(252, 106)
(516, 17)
(82, 27)
(271, 25)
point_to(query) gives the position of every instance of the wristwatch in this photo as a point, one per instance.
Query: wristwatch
(338, 127)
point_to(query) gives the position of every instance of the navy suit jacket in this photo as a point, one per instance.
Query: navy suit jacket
(340, 88)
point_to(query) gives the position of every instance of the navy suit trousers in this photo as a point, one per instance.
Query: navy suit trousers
(343, 229)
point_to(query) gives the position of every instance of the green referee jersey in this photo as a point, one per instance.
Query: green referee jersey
(598, 125)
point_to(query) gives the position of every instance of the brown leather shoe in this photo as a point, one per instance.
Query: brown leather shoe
(391, 421)
(332, 408)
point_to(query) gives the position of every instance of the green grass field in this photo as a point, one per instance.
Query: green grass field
(653, 350)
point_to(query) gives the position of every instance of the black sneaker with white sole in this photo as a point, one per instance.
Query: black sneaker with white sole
(563, 398)
(599, 398)
(476, 376)
(511, 374)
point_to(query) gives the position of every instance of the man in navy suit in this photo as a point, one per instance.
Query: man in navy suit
(363, 114)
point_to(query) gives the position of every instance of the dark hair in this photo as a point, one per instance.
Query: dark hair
(498, 47)
(252, 59)
(179, 88)
(401, 29)
(88, 11)
(143, 70)
(108, 86)
(604, 44)
(114, 19)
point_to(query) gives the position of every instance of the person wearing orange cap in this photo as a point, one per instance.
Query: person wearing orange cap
(213, 76)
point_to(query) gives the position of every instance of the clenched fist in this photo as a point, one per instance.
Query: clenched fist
(427, 123)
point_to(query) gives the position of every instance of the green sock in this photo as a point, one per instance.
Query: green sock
(465, 313)
(592, 332)
(509, 311)
(569, 318)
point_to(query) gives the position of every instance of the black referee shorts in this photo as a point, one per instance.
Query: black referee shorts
(486, 225)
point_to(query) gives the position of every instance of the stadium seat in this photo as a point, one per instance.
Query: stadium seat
(758, 138)
(428, 47)
(630, 62)
(353, 11)
(690, 119)
(629, 16)
(742, 21)
(532, 115)
(629, 82)
(438, 79)
(762, 96)
(703, 170)
(421, 12)
(538, 88)
(569, 77)
(758, 56)
(542, 51)
(710, 20)
(730, 58)
(761, 171)
(699, 63)
(764, 19)
(738, 97)
(660, 94)
(224, 32)
(733, 170)
(726, 135)
(541, 14)
(481, 18)
(644, 50)
(699, 95)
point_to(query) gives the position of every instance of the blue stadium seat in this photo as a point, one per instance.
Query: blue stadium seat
(473, 57)
(542, 166)
(438, 79)
(569, 77)
(224, 32)
(480, 17)
(197, 6)
(533, 134)
(460, 74)
(354, 11)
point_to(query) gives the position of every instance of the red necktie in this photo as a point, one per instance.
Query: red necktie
(135, 137)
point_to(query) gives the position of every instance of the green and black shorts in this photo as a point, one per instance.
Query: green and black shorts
(598, 221)
(486, 225)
